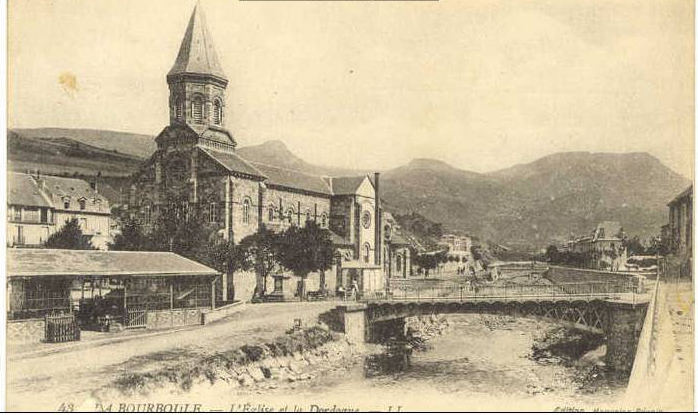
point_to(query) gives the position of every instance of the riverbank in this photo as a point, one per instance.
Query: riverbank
(470, 362)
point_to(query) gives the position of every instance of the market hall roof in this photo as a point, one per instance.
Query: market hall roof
(197, 55)
(67, 262)
(22, 190)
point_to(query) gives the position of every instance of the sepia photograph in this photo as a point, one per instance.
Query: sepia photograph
(349, 206)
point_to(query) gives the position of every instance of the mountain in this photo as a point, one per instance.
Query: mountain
(139, 145)
(530, 205)
(276, 153)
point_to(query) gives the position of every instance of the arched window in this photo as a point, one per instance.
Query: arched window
(246, 211)
(146, 214)
(271, 214)
(367, 252)
(307, 216)
(197, 109)
(290, 215)
(217, 112)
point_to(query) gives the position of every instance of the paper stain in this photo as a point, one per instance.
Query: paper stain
(68, 82)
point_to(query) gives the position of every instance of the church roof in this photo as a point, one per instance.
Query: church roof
(197, 55)
(347, 185)
(233, 162)
(293, 179)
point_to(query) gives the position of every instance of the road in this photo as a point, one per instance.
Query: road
(44, 381)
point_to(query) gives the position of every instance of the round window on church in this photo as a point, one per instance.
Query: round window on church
(366, 219)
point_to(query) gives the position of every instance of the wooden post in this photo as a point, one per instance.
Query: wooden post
(213, 293)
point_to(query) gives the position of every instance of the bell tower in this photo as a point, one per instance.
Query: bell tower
(197, 82)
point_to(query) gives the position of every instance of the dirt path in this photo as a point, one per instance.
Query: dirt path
(43, 382)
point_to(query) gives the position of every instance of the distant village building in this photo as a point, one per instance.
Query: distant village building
(456, 243)
(39, 205)
(604, 246)
(680, 228)
(196, 166)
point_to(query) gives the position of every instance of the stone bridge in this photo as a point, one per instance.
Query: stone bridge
(615, 310)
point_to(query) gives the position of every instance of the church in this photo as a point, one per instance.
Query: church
(196, 165)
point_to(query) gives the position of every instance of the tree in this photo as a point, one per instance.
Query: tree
(69, 237)
(305, 250)
(261, 251)
(552, 254)
(225, 257)
(634, 246)
(131, 238)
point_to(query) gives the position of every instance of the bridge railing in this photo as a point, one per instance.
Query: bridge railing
(464, 291)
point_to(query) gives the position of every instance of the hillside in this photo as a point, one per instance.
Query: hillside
(527, 205)
(139, 145)
(531, 204)
(61, 155)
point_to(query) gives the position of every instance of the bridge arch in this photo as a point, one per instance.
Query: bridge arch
(584, 315)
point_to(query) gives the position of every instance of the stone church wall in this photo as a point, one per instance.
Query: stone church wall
(278, 198)
(244, 190)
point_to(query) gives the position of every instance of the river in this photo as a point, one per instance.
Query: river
(480, 363)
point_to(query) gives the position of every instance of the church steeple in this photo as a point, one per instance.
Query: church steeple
(197, 81)
(197, 55)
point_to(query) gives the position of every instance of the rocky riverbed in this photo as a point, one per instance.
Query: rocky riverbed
(467, 362)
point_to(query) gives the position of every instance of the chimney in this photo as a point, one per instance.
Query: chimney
(378, 226)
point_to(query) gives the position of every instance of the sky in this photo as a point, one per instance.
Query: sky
(479, 84)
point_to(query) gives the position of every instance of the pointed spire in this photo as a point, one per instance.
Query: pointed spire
(197, 55)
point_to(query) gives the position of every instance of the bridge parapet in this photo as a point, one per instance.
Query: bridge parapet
(410, 290)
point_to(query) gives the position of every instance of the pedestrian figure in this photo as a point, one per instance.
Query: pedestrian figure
(354, 290)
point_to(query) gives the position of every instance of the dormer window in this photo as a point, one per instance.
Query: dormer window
(82, 204)
(66, 203)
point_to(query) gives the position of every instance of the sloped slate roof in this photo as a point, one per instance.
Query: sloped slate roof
(47, 262)
(293, 179)
(686, 193)
(346, 185)
(23, 190)
(233, 162)
(60, 187)
(197, 55)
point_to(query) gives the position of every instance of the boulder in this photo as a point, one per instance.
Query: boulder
(256, 373)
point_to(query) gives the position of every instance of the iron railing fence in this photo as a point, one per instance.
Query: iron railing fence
(406, 290)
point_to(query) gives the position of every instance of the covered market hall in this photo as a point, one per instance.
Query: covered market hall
(104, 290)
